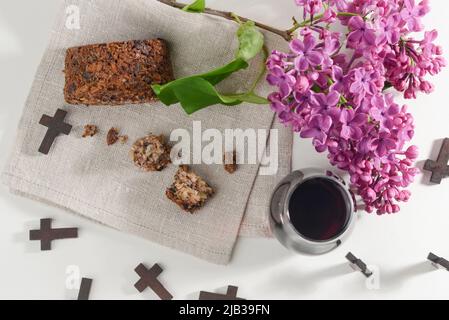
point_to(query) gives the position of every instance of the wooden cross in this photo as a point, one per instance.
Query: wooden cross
(231, 294)
(148, 278)
(438, 261)
(359, 265)
(56, 126)
(46, 234)
(84, 292)
(439, 168)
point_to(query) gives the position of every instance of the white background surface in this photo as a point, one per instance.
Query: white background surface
(262, 269)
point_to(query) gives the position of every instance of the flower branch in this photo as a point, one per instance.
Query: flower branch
(286, 34)
(232, 16)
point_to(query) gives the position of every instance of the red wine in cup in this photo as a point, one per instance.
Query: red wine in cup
(319, 209)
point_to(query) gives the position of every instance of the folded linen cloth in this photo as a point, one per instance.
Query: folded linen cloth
(100, 182)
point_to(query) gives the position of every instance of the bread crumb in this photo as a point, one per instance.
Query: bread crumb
(189, 191)
(230, 162)
(90, 130)
(151, 153)
(112, 136)
(123, 139)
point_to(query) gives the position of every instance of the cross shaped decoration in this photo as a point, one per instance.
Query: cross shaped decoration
(56, 126)
(148, 278)
(359, 265)
(438, 262)
(46, 234)
(231, 294)
(439, 168)
(84, 292)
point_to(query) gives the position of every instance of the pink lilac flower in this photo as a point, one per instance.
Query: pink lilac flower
(363, 83)
(383, 144)
(362, 35)
(307, 55)
(310, 6)
(391, 31)
(352, 123)
(331, 87)
(412, 14)
(338, 77)
(384, 115)
(325, 103)
(318, 128)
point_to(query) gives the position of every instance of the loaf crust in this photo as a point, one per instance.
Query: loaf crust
(116, 73)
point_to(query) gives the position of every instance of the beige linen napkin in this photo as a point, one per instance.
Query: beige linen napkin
(100, 182)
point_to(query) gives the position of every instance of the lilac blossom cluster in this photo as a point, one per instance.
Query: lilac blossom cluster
(332, 87)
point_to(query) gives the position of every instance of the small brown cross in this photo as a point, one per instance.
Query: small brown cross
(84, 292)
(231, 294)
(439, 168)
(148, 278)
(56, 126)
(46, 234)
(359, 265)
(438, 261)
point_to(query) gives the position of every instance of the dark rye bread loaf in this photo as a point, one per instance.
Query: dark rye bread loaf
(116, 73)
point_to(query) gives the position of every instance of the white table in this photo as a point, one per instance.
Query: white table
(397, 244)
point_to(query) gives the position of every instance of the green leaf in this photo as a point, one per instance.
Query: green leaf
(196, 93)
(169, 92)
(197, 6)
(249, 97)
(218, 75)
(251, 41)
